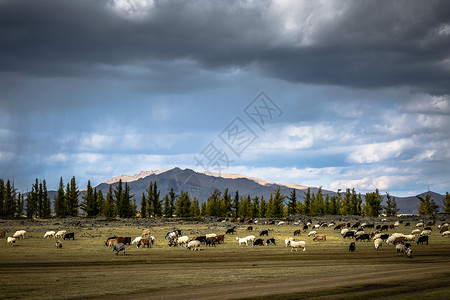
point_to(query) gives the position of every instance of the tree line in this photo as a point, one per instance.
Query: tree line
(119, 202)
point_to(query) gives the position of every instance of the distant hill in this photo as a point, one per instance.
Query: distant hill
(201, 184)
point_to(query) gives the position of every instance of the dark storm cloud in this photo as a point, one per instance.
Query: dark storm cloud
(358, 44)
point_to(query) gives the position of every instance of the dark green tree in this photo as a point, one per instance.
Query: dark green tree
(47, 206)
(194, 210)
(60, 201)
(345, 203)
(446, 204)
(2, 199)
(390, 209)
(100, 202)
(245, 209)
(32, 201)
(90, 205)
(307, 203)
(235, 205)
(427, 205)
(372, 205)
(278, 207)
(213, 204)
(157, 207)
(262, 207)
(109, 209)
(225, 205)
(72, 194)
(144, 209)
(255, 207)
(149, 190)
(183, 205)
(292, 203)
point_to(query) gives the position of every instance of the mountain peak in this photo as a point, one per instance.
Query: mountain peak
(128, 178)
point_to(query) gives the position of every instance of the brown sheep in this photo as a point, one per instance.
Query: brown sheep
(58, 245)
(320, 237)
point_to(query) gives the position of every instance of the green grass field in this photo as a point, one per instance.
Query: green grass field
(85, 268)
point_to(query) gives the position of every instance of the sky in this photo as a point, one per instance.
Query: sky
(338, 94)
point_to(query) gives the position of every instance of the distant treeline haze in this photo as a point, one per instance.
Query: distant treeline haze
(119, 202)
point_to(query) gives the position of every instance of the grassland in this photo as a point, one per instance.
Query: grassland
(85, 268)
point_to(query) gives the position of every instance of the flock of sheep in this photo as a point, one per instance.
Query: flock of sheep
(356, 231)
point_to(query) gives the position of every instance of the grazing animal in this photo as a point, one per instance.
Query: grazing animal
(356, 225)
(428, 228)
(108, 239)
(399, 240)
(258, 242)
(384, 237)
(425, 232)
(127, 240)
(60, 234)
(363, 237)
(312, 233)
(298, 232)
(119, 247)
(339, 226)
(443, 229)
(352, 247)
(264, 233)
(384, 227)
(431, 223)
(145, 233)
(281, 223)
(70, 235)
(210, 235)
(2, 234)
(350, 233)
(49, 234)
(320, 237)
(250, 228)
(136, 240)
(230, 231)
(446, 233)
(408, 253)
(378, 227)
(286, 240)
(111, 242)
(400, 249)
(144, 242)
(305, 227)
(182, 240)
(270, 241)
(173, 234)
(415, 231)
(220, 239)
(343, 231)
(194, 245)
(245, 240)
(410, 237)
(19, 234)
(420, 224)
(211, 241)
(11, 240)
(378, 243)
(58, 245)
(296, 245)
(422, 239)
(407, 224)
(200, 238)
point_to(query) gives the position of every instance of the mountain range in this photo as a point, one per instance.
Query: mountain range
(202, 184)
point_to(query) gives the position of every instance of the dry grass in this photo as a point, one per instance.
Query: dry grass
(86, 268)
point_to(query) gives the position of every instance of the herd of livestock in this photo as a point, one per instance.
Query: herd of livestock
(358, 231)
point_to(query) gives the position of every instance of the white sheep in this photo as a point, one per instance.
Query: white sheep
(312, 233)
(396, 224)
(343, 231)
(60, 234)
(415, 231)
(242, 241)
(250, 238)
(210, 235)
(358, 233)
(281, 223)
(194, 245)
(11, 240)
(410, 237)
(316, 226)
(49, 234)
(136, 240)
(19, 234)
(183, 240)
(420, 224)
(295, 245)
(446, 233)
(286, 240)
(400, 249)
(425, 232)
(378, 243)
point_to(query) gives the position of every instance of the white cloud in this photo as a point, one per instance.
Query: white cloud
(377, 152)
